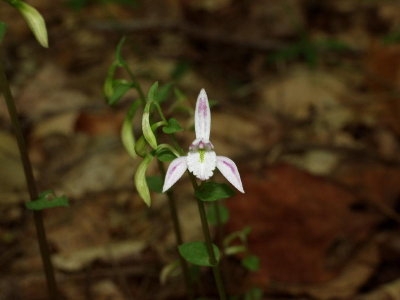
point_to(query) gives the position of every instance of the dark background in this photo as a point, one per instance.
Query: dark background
(307, 106)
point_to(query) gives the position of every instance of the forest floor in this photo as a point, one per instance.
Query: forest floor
(307, 100)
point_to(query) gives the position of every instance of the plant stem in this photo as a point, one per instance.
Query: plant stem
(207, 237)
(30, 182)
(137, 84)
(178, 233)
(220, 232)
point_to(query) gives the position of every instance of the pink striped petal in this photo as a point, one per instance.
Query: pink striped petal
(228, 168)
(202, 117)
(175, 171)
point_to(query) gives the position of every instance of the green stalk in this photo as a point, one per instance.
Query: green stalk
(207, 237)
(178, 234)
(137, 84)
(30, 182)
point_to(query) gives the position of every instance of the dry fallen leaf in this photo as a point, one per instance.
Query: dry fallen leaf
(78, 260)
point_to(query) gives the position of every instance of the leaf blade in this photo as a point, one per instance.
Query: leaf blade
(197, 254)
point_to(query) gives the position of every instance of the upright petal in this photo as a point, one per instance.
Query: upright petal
(228, 168)
(202, 118)
(175, 171)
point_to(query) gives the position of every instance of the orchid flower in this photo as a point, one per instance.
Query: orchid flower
(201, 159)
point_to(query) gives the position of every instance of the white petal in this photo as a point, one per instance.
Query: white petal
(228, 168)
(202, 117)
(175, 171)
(202, 169)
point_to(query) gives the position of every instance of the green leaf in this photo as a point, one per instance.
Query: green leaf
(170, 270)
(141, 144)
(3, 28)
(118, 55)
(165, 155)
(212, 214)
(232, 250)
(241, 235)
(34, 20)
(47, 199)
(251, 263)
(181, 68)
(140, 147)
(172, 127)
(127, 136)
(146, 127)
(119, 88)
(197, 254)
(163, 92)
(213, 191)
(152, 94)
(155, 183)
(140, 179)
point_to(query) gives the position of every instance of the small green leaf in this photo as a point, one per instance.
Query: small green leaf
(212, 214)
(170, 270)
(3, 28)
(127, 136)
(181, 68)
(140, 146)
(197, 254)
(212, 191)
(34, 20)
(47, 199)
(251, 263)
(155, 183)
(172, 126)
(146, 127)
(152, 94)
(119, 88)
(165, 155)
(232, 250)
(140, 179)
(241, 235)
(164, 92)
(118, 55)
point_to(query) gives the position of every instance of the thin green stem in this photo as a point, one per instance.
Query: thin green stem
(30, 181)
(137, 84)
(178, 233)
(160, 112)
(207, 237)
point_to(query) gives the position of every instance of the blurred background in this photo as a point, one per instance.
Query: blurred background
(307, 104)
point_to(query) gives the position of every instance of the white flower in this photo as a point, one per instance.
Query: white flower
(201, 159)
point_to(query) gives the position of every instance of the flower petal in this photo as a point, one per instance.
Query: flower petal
(202, 164)
(175, 171)
(228, 168)
(202, 117)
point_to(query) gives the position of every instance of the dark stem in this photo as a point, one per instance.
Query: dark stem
(220, 229)
(178, 233)
(30, 182)
(207, 237)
